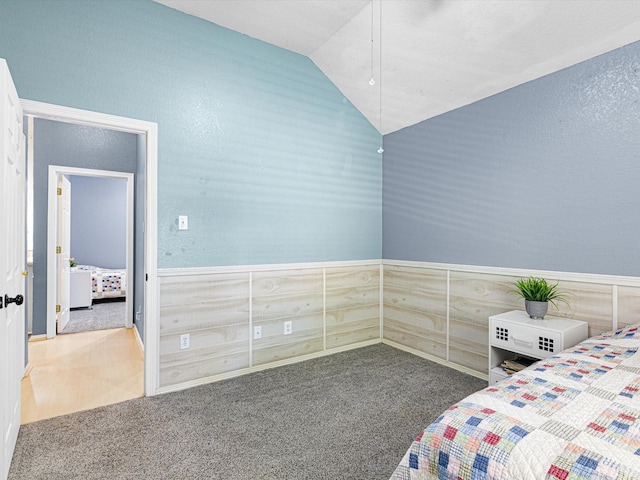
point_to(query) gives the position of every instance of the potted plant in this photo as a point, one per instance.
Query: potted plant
(537, 294)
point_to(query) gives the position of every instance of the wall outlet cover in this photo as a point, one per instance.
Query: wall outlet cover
(288, 327)
(185, 341)
(257, 333)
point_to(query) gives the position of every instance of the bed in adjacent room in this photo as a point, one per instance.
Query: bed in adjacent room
(574, 415)
(106, 282)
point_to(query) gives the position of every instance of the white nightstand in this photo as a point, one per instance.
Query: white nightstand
(80, 289)
(514, 333)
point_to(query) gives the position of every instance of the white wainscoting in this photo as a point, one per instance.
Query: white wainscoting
(441, 311)
(332, 307)
(437, 311)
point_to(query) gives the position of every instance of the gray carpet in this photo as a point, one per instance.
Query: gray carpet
(350, 415)
(104, 314)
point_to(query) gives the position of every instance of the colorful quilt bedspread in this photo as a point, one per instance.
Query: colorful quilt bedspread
(574, 416)
(106, 282)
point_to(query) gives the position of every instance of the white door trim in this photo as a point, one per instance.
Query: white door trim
(150, 130)
(52, 234)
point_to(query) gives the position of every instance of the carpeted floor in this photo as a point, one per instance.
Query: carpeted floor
(103, 314)
(350, 415)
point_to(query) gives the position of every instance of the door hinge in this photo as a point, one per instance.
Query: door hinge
(146, 277)
(59, 191)
(58, 249)
(57, 308)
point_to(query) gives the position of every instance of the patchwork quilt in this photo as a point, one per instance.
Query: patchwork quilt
(105, 282)
(574, 416)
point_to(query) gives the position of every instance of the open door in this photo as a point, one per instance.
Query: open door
(63, 250)
(12, 264)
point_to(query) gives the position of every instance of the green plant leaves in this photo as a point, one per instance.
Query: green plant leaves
(536, 289)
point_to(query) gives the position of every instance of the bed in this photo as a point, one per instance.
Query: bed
(106, 282)
(574, 415)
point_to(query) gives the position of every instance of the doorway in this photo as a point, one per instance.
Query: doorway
(106, 269)
(147, 222)
(98, 290)
(111, 363)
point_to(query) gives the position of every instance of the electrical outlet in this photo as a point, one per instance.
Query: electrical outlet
(257, 333)
(184, 341)
(288, 328)
(183, 222)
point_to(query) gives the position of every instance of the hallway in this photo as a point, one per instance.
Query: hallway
(80, 371)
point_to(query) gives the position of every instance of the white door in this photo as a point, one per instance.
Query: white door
(64, 241)
(12, 264)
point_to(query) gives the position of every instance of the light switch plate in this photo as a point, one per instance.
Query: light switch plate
(183, 222)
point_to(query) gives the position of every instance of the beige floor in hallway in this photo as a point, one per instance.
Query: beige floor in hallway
(80, 371)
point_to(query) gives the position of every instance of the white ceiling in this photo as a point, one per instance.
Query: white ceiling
(437, 55)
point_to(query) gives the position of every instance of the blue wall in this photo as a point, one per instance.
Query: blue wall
(263, 153)
(543, 176)
(99, 221)
(272, 164)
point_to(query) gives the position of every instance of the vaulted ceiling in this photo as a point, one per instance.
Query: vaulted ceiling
(433, 55)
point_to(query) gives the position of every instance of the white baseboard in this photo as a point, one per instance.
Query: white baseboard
(140, 342)
(37, 338)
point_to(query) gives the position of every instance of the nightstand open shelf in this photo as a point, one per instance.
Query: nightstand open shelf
(514, 333)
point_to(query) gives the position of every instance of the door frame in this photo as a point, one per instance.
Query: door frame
(151, 336)
(52, 234)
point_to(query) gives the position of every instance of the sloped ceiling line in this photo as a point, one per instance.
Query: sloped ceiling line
(438, 54)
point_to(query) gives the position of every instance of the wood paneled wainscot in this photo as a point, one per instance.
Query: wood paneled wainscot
(415, 309)
(442, 311)
(628, 305)
(352, 305)
(281, 296)
(331, 308)
(437, 311)
(214, 310)
(473, 298)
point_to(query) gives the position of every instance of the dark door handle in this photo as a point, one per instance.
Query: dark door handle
(18, 299)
